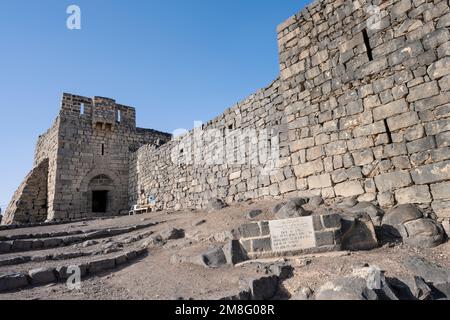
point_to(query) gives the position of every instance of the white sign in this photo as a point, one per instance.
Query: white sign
(292, 234)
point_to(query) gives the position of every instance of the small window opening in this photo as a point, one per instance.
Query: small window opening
(388, 131)
(103, 149)
(119, 116)
(230, 127)
(367, 43)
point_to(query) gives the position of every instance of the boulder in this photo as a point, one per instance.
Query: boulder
(281, 270)
(292, 209)
(407, 223)
(213, 258)
(278, 207)
(253, 214)
(217, 204)
(315, 202)
(262, 288)
(424, 233)
(411, 288)
(234, 252)
(401, 214)
(348, 203)
(358, 233)
(12, 281)
(427, 270)
(172, 234)
(368, 283)
(42, 276)
(436, 277)
(375, 213)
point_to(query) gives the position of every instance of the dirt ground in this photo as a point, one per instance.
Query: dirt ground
(155, 277)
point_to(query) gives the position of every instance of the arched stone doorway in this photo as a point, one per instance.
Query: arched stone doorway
(99, 193)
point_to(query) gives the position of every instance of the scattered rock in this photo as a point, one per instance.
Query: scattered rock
(172, 234)
(111, 247)
(368, 283)
(315, 202)
(263, 288)
(12, 281)
(281, 270)
(292, 209)
(42, 276)
(89, 243)
(375, 213)
(253, 214)
(217, 204)
(348, 203)
(413, 288)
(213, 258)
(234, 252)
(427, 270)
(278, 207)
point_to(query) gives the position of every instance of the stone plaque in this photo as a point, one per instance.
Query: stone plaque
(292, 234)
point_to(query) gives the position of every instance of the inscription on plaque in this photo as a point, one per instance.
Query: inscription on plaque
(292, 234)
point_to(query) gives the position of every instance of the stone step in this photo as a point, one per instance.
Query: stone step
(44, 276)
(22, 245)
(18, 260)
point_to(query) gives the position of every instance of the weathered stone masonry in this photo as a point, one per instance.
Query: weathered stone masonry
(82, 163)
(355, 112)
(360, 112)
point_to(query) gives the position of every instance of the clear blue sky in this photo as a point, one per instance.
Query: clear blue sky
(176, 61)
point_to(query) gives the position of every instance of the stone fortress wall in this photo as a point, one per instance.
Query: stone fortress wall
(357, 111)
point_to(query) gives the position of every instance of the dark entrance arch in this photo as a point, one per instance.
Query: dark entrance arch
(100, 194)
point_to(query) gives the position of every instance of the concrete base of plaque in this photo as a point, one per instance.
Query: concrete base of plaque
(287, 237)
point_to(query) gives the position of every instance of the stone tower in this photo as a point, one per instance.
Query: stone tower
(81, 163)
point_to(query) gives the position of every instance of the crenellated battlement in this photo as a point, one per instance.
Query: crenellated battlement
(104, 113)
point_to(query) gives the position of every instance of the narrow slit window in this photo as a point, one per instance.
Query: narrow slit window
(367, 43)
(388, 132)
(103, 149)
(119, 116)
(82, 108)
